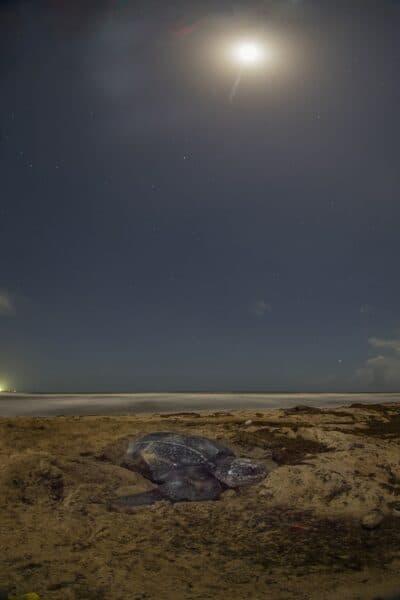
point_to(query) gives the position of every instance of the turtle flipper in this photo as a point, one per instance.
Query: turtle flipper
(138, 499)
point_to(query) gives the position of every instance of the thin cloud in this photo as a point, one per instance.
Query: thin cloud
(366, 309)
(258, 308)
(7, 306)
(383, 370)
(389, 344)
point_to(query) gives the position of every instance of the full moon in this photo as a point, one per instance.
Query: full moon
(248, 53)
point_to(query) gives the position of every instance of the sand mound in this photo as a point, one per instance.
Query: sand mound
(352, 479)
(33, 477)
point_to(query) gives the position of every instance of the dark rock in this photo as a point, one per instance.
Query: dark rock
(304, 408)
(372, 520)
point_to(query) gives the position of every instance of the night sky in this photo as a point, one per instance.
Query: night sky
(156, 236)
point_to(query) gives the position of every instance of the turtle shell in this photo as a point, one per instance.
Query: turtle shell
(156, 454)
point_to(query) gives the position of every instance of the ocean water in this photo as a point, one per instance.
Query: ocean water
(12, 405)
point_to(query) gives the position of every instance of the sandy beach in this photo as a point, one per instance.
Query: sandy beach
(325, 524)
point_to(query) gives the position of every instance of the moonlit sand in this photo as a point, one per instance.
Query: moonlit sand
(295, 535)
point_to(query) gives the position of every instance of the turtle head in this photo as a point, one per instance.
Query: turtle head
(235, 472)
(131, 448)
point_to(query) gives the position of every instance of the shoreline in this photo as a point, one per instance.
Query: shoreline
(101, 404)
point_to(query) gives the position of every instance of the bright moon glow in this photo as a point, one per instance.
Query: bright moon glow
(248, 53)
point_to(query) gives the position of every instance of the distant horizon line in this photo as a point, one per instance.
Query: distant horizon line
(353, 392)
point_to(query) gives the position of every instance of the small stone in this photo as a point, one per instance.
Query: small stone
(372, 520)
(396, 509)
(248, 422)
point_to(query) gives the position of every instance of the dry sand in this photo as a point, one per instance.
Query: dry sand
(297, 534)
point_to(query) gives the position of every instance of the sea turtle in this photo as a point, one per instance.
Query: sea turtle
(187, 467)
